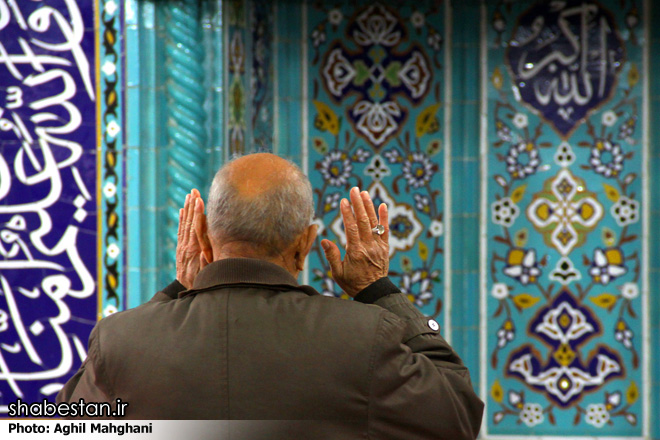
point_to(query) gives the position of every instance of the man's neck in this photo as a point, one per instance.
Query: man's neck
(242, 249)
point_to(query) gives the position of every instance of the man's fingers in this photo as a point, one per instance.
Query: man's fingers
(180, 233)
(333, 256)
(369, 208)
(363, 223)
(201, 230)
(184, 222)
(350, 227)
(384, 220)
(194, 216)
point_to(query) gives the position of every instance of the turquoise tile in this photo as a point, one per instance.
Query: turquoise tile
(457, 304)
(654, 84)
(459, 36)
(294, 124)
(457, 135)
(161, 179)
(289, 57)
(471, 188)
(148, 48)
(159, 118)
(148, 132)
(148, 13)
(654, 299)
(133, 284)
(289, 22)
(131, 13)
(471, 243)
(470, 355)
(470, 315)
(132, 56)
(133, 125)
(133, 178)
(133, 238)
(472, 73)
(283, 136)
(458, 228)
(472, 134)
(458, 288)
(148, 183)
(148, 283)
(654, 246)
(457, 178)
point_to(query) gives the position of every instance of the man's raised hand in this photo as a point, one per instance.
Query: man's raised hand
(367, 254)
(189, 257)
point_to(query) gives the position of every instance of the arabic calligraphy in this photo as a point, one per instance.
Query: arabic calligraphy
(47, 203)
(564, 57)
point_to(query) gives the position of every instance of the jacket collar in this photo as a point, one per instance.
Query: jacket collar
(245, 271)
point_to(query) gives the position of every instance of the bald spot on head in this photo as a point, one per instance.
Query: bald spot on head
(258, 174)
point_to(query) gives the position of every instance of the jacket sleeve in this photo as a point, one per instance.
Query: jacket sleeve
(420, 388)
(88, 383)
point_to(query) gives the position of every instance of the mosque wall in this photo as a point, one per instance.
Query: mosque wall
(514, 143)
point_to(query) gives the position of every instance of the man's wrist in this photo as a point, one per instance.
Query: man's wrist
(376, 291)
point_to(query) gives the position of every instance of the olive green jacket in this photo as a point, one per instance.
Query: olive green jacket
(249, 343)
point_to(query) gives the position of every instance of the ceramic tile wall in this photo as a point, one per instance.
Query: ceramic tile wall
(148, 142)
(374, 117)
(565, 189)
(653, 165)
(430, 141)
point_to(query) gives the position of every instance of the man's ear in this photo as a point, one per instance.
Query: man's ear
(305, 244)
(201, 231)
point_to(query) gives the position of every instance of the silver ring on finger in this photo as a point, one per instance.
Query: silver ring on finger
(378, 230)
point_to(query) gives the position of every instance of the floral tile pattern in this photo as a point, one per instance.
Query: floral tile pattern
(564, 328)
(237, 101)
(375, 88)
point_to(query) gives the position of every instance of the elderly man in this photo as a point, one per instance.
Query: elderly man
(236, 337)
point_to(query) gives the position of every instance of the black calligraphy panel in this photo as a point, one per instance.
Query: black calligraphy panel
(564, 58)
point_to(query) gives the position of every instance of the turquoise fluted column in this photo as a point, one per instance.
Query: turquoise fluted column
(186, 165)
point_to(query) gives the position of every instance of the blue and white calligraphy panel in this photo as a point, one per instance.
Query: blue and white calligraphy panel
(48, 194)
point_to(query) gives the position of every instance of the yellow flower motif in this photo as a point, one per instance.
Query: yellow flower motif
(496, 392)
(497, 78)
(605, 300)
(633, 75)
(518, 194)
(525, 300)
(326, 120)
(427, 121)
(611, 192)
(632, 394)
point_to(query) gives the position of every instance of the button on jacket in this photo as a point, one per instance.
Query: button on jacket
(248, 343)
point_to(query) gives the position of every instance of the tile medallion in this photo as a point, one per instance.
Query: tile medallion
(375, 106)
(563, 256)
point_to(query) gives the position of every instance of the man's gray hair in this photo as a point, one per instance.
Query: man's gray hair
(271, 220)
